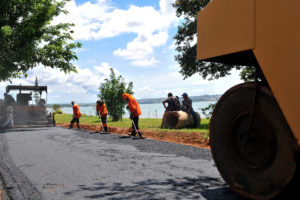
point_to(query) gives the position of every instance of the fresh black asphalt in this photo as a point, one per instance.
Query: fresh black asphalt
(56, 163)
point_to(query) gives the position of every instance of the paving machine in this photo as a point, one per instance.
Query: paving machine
(29, 109)
(255, 129)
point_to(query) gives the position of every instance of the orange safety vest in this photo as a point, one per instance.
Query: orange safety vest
(76, 111)
(133, 105)
(102, 109)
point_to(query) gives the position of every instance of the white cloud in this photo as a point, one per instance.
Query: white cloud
(81, 86)
(100, 20)
(142, 47)
(153, 86)
(104, 70)
(145, 62)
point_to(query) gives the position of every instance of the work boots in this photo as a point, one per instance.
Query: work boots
(71, 126)
(133, 133)
(105, 129)
(140, 134)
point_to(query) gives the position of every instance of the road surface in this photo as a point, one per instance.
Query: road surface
(55, 163)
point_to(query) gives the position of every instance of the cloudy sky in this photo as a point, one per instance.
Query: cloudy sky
(135, 38)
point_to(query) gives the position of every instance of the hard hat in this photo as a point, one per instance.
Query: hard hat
(125, 95)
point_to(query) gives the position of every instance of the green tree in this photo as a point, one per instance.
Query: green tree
(27, 37)
(187, 50)
(56, 108)
(111, 93)
(207, 111)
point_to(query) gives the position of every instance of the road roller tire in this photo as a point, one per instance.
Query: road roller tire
(257, 162)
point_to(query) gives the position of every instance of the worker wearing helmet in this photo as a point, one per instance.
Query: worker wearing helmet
(76, 115)
(135, 112)
(102, 113)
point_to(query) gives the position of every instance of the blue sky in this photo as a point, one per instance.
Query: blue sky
(135, 38)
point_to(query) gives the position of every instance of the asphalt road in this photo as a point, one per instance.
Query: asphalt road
(55, 163)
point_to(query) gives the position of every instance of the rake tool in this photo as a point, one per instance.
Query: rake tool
(138, 133)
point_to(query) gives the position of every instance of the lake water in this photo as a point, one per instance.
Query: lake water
(148, 110)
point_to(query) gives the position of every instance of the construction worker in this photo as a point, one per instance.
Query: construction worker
(102, 113)
(135, 112)
(173, 103)
(187, 107)
(76, 115)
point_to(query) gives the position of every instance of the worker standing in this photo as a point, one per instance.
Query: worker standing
(76, 115)
(102, 113)
(135, 112)
(187, 107)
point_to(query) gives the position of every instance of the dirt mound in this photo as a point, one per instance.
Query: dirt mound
(193, 138)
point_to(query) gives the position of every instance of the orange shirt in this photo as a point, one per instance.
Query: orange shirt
(76, 111)
(133, 105)
(101, 109)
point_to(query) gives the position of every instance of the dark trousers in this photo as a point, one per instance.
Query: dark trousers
(192, 113)
(135, 120)
(104, 122)
(73, 121)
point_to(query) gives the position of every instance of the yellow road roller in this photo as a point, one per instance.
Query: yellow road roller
(255, 129)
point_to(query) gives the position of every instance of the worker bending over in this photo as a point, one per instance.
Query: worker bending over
(102, 113)
(173, 103)
(187, 107)
(135, 112)
(76, 115)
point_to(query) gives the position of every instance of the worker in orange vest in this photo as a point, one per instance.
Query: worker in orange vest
(102, 113)
(135, 112)
(76, 115)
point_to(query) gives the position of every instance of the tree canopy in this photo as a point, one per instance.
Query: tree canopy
(27, 37)
(187, 47)
(56, 108)
(111, 93)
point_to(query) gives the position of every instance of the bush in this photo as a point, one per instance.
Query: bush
(58, 112)
(207, 111)
(56, 108)
(111, 93)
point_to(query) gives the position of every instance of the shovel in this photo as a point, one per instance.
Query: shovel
(101, 129)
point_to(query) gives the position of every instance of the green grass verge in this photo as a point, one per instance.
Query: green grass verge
(145, 123)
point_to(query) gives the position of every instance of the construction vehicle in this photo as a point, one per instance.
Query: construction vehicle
(255, 129)
(29, 109)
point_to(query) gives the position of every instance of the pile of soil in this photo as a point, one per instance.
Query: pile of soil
(193, 139)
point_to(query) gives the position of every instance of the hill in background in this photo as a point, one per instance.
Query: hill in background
(155, 100)
(194, 99)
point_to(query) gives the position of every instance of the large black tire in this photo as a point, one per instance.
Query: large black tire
(257, 162)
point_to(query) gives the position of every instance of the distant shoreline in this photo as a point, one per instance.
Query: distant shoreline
(194, 99)
(156, 100)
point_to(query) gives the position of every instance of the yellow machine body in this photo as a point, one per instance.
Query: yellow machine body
(269, 29)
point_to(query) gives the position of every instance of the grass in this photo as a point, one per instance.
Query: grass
(145, 123)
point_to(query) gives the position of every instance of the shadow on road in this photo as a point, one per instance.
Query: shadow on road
(185, 188)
